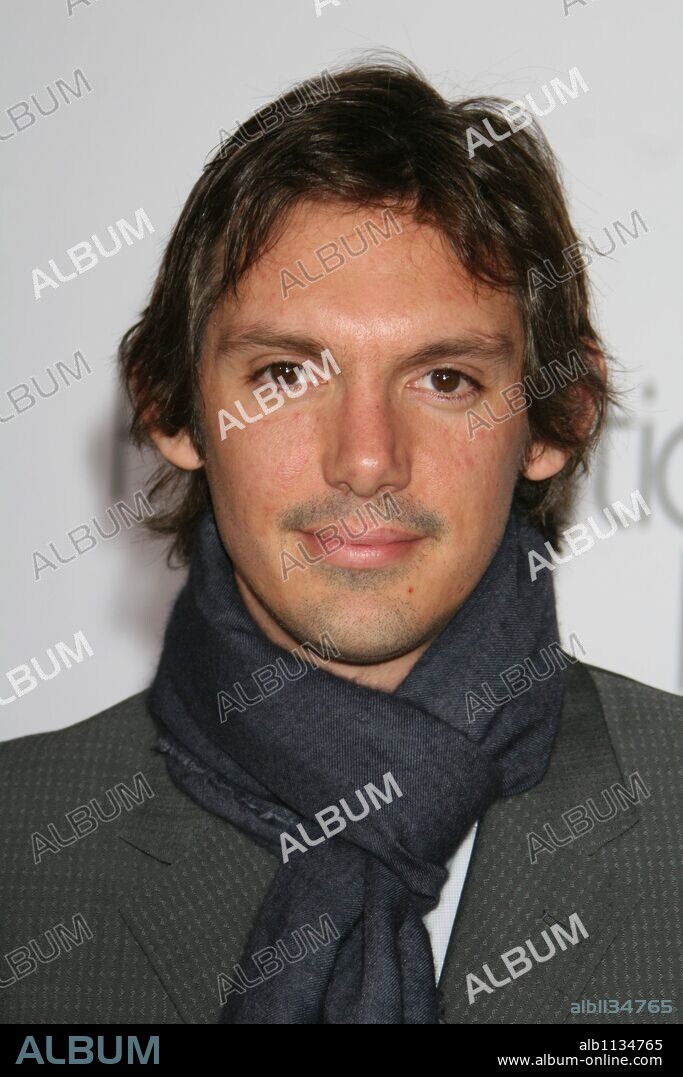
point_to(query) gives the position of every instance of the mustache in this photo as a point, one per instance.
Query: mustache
(334, 507)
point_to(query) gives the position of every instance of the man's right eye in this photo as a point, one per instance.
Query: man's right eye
(287, 371)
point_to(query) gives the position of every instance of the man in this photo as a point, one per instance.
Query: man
(362, 720)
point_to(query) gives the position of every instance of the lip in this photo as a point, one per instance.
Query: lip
(379, 547)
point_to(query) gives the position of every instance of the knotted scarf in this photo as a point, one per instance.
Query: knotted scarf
(451, 746)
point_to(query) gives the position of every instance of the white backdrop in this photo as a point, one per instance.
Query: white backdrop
(157, 83)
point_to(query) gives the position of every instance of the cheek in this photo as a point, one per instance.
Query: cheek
(471, 482)
(268, 464)
(488, 461)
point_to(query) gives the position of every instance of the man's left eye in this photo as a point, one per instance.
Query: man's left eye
(445, 380)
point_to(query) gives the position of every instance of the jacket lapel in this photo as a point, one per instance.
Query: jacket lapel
(507, 899)
(192, 918)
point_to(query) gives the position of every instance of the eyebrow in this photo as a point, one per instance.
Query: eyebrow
(495, 348)
(262, 336)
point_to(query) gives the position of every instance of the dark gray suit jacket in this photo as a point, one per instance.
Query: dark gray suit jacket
(132, 918)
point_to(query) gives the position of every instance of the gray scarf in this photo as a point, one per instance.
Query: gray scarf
(272, 768)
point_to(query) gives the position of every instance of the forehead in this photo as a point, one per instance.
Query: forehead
(405, 283)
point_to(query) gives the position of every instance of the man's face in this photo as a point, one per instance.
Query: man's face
(416, 346)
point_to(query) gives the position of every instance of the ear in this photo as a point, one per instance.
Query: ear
(543, 461)
(178, 449)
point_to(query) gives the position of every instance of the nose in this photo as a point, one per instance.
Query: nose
(365, 447)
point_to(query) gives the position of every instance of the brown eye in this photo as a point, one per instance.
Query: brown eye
(446, 380)
(289, 372)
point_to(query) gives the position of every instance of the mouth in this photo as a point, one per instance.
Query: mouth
(375, 549)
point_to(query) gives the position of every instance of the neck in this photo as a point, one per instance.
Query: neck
(383, 676)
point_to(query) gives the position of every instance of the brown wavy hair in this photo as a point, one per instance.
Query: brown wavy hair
(375, 134)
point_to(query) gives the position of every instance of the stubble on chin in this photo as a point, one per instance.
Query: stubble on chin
(370, 636)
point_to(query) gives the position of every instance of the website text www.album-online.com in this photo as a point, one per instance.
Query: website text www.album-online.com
(599, 1052)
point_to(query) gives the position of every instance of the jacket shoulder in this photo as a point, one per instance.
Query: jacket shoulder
(111, 745)
(635, 700)
(122, 721)
(645, 725)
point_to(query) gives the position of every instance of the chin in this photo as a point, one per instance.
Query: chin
(365, 656)
(369, 637)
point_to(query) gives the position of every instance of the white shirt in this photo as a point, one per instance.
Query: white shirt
(439, 922)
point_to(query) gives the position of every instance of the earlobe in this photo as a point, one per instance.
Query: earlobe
(178, 449)
(543, 461)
